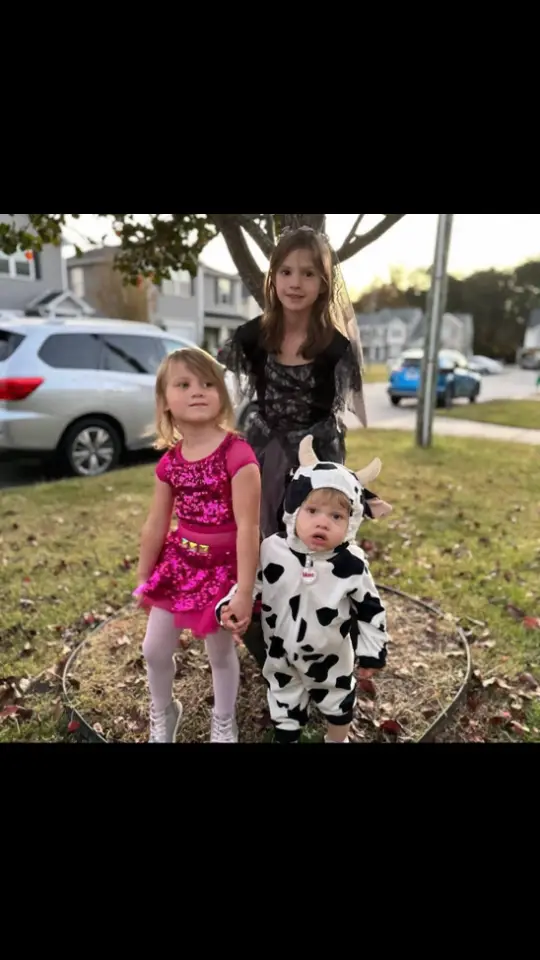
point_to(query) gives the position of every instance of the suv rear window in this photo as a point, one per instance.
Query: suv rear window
(132, 354)
(412, 362)
(9, 342)
(72, 351)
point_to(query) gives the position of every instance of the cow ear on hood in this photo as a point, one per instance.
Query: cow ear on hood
(374, 507)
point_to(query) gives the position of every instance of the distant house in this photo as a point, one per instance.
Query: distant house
(204, 308)
(532, 333)
(387, 333)
(36, 284)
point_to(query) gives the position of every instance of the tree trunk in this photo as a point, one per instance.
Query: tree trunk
(244, 260)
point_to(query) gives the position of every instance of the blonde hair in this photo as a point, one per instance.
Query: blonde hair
(208, 370)
(328, 495)
(322, 324)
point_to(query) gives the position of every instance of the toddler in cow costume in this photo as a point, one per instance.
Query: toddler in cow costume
(321, 613)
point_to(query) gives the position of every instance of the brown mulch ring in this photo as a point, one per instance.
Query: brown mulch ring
(426, 669)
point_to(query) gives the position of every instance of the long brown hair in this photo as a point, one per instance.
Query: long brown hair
(321, 327)
(208, 370)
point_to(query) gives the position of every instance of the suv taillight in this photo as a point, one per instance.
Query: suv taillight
(18, 388)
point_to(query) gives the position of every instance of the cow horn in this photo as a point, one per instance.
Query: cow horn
(306, 453)
(369, 473)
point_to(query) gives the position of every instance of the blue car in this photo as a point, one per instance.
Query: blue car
(455, 378)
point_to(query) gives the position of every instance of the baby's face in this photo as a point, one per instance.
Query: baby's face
(323, 522)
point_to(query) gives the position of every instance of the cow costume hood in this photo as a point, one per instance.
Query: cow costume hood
(314, 474)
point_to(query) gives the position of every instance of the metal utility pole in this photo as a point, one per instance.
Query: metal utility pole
(436, 305)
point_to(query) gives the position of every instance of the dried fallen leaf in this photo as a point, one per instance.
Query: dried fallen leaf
(10, 711)
(515, 612)
(519, 728)
(392, 727)
(476, 623)
(503, 717)
(16, 711)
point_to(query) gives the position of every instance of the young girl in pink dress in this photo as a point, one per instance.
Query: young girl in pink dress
(210, 477)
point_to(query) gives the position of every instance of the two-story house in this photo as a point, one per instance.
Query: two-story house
(386, 334)
(36, 284)
(528, 356)
(204, 308)
(532, 332)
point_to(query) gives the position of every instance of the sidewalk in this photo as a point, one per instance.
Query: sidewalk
(443, 426)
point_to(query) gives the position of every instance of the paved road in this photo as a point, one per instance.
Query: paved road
(513, 384)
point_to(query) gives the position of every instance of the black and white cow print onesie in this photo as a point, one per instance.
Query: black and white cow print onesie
(321, 612)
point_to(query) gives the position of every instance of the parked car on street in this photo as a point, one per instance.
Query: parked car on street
(455, 378)
(79, 390)
(487, 366)
(530, 359)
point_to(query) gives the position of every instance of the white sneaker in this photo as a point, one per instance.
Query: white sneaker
(164, 726)
(224, 730)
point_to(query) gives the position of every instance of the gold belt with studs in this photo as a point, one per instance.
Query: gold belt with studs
(200, 548)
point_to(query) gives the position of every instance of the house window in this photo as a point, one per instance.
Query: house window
(181, 284)
(76, 277)
(17, 266)
(224, 290)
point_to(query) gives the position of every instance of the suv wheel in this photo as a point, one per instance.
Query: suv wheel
(91, 447)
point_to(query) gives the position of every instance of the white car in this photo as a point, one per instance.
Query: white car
(487, 366)
(79, 390)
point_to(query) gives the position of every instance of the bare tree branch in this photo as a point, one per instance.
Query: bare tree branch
(245, 263)
(358, 243)
(271, 227)
(352, 232)
(263, 241)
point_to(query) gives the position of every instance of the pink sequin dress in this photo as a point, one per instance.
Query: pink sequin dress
(197, 565)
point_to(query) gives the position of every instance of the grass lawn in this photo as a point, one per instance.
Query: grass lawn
(375, 373)
(508, 413)
(465, 533)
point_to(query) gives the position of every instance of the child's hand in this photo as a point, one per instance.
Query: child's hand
(237, 615)
(365, 674)
(138, 594)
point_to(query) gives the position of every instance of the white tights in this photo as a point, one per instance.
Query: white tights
(160, 644)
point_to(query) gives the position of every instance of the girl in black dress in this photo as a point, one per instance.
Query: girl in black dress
(301, 361)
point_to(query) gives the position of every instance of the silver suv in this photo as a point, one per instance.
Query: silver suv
(79, 389)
